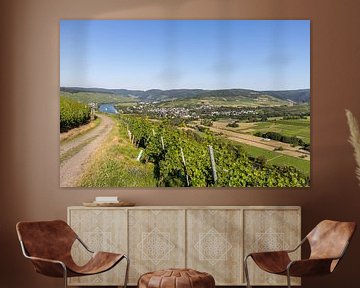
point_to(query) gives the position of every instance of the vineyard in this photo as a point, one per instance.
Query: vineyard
(185, 158)
(72, 114)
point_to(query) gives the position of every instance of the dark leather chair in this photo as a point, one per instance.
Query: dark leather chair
(328, 242)
(48, 245)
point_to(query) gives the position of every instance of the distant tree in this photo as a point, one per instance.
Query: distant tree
(280, 148)
(202, 128)
(206, 122)
(233, 124)
(261, 161)
(306, 147)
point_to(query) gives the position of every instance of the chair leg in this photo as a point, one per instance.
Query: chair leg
(65, 276)
(127, 271)
(246, 270)
(288, 278)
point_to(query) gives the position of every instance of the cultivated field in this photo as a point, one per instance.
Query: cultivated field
(257, 146)
(294, 127)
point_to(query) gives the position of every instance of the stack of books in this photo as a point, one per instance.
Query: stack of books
(106, 199)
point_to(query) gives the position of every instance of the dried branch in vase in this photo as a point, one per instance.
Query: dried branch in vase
(354, 139)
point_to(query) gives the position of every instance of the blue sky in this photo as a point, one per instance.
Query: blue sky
(170, 54)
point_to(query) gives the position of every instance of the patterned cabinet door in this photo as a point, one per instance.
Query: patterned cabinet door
(269, 230)
(101, 230)
(156, 240)
(214, 244)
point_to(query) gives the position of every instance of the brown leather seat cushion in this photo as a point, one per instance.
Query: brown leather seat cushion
(176, 278)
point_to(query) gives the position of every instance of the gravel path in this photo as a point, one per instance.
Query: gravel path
(75, 154)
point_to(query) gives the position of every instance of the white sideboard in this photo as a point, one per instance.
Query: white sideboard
(211, 239)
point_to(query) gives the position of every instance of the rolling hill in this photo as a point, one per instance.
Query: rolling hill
(298, 96)
(216, 97)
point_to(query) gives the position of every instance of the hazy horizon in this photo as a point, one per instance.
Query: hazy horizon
(234, 88)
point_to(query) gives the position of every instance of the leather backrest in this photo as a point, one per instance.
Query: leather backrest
(329, 238)
(46, 239)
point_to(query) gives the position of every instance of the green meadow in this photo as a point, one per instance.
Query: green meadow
(294, 127)
(275, 158)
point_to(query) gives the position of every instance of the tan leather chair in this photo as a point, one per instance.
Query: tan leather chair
(48, 245)
(328, 242)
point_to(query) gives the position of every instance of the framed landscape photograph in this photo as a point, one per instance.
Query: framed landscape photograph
(185, 103)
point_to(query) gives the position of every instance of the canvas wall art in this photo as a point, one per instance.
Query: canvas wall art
(184, 103)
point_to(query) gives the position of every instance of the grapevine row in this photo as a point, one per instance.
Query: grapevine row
(72, 114)
(181, 158)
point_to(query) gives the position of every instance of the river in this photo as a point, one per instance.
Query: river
(108, 108)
